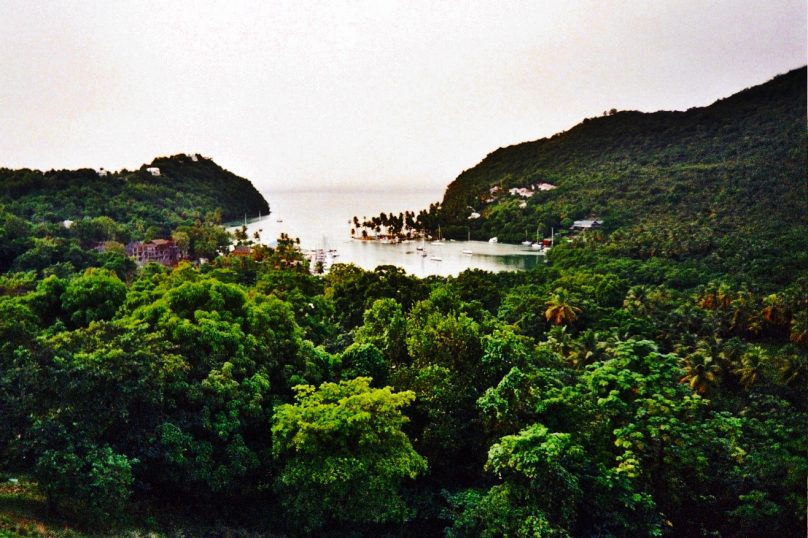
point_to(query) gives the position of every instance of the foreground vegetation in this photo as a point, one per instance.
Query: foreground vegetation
(635, 385)
(592, 396)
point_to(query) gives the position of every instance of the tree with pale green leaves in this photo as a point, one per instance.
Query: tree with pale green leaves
(343, 455)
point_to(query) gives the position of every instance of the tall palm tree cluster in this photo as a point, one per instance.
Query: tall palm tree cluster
(405, 225)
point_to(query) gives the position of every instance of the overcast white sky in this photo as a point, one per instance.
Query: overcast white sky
(360, 93)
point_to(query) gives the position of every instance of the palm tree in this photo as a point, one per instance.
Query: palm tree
(241, 234)
(799, 327)
(729, 355)
(701, 370)
(795, 370)
(589, 348)
(559, 308)
(745, 316)
(751, 367)
(773, 309)
(637, 300)
(716, 297)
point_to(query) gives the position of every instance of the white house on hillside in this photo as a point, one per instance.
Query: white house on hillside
(521, 191)
(586, 224)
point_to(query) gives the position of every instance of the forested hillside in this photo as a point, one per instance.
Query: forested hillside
(62, 221)
(725, 182)
(186, 188)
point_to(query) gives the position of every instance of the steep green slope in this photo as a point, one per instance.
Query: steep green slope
(734, 171)
(187, 187)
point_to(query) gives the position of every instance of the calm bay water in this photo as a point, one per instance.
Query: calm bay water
(322, 220)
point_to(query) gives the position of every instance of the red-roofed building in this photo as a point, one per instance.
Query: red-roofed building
(163, 251)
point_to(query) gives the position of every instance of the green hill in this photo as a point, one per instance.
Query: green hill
(687, 182)
(186, 188)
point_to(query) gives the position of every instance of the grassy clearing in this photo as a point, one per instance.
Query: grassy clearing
(24, 513)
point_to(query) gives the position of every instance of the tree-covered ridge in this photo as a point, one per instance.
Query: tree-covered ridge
(187, 188)
(734, 169)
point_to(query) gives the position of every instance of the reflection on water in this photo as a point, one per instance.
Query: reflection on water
(322, 221)
(445, 258)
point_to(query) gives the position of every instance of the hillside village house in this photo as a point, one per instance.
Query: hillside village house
(163, 251)
(527, 192)
(521, 191)
(586, 224)
(153, 170)
(241, 251)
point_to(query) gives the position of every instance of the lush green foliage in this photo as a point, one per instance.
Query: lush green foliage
(620, 390)
(655, 410)
(344, 454)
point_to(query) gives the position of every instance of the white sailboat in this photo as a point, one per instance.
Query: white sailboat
(468, 240)
(439, 239)
(538, 244)
(527, 242)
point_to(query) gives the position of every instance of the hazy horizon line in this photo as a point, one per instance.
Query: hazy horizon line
(352, 188)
